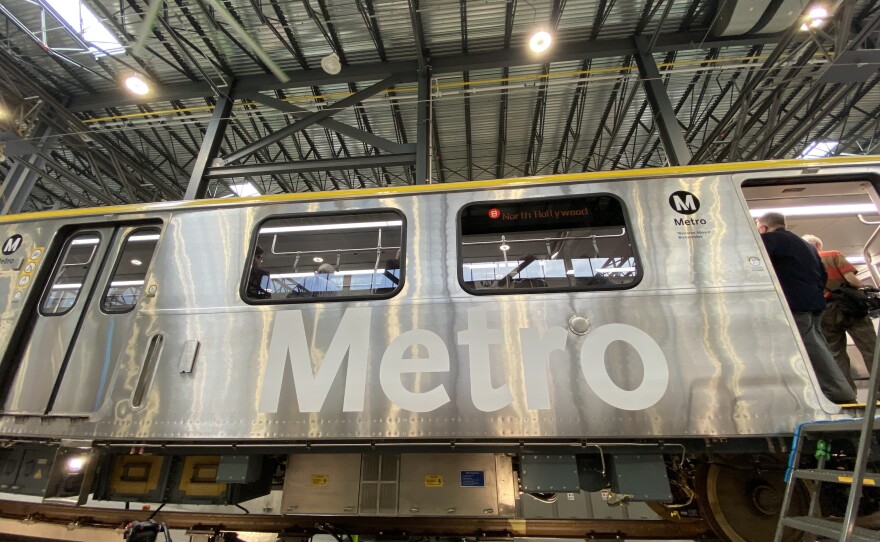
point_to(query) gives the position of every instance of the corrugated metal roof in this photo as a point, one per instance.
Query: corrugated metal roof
(510, 115)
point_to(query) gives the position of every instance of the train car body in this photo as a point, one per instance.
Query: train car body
(661, 321)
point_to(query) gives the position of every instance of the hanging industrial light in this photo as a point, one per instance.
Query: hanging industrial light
(540, 41)
(816, 18)
(137, 84)
(331, 64)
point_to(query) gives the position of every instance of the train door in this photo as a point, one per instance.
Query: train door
(81, 321)
(841, 212)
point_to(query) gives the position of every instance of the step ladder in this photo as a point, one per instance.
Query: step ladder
(845, 531)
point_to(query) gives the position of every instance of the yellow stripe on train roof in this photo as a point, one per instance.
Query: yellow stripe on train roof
(757, 166)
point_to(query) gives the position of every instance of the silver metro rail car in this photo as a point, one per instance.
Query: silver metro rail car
(580, 332)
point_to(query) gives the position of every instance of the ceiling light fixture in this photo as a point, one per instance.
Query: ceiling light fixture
(144, 237)
(331, 64)
(318, 259)
(856, 260)
(137, 262)
(819, 210)
(816, 18)
(540, 41)
(137, 84)
(325, 227)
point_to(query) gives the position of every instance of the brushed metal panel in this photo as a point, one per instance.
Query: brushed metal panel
(705, 297)
(717, 386)
(42, 362)
(100, 340)
(321, 484)
(507, 486)
(431, 485)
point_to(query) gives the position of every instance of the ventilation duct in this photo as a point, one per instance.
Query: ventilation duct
(751, 17)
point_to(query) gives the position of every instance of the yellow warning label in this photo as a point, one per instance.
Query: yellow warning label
(433, 480)
(38, 474)
(319, 480)
(849, 479)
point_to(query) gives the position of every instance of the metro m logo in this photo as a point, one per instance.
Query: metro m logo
(684, 202)
(12, 244)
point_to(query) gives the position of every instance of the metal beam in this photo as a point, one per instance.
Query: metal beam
(198, 187)
(573, 51)
(20, 179)
(423, 129)
(314, 118)
(339, 127)
(664, 115)
(335, 164)
(76, 181)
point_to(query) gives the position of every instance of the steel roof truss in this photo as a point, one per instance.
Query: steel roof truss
(21, 179)
(423, 129)
(664, 115)
(312, 119)
(197, 187)
(334, 164)
(340, 127)
(290, 43)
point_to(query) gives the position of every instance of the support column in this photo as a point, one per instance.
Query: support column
(198, 183)
(22, 177)
(423, 128)
(664, 115)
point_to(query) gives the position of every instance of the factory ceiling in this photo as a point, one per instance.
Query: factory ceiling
(272, 96)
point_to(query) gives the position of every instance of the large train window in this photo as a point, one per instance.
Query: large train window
(326, 257)
(127, 282)
(559, 244)
(73, 267)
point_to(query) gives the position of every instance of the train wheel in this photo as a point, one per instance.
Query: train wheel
(742, 503)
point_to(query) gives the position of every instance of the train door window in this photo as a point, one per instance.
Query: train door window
(558, 244)
(67, 282)
(326, 257)
(127, 282)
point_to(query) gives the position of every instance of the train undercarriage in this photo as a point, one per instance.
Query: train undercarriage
(686, 489)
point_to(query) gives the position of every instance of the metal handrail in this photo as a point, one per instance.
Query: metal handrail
(621, 234)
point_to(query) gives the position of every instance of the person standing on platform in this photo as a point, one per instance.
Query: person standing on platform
(802, 276)
(836, 324)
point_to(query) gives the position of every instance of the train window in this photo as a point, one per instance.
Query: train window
(572, 243)
(127, 282)
(326, 257)
(73, 267)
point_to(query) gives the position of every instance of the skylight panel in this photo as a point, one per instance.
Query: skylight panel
(244, 190)
(819, 149)
(80, 19)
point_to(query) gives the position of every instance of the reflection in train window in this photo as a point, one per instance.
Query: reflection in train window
(73, 267)
(127, 282)
(572, 243)
(326, 257)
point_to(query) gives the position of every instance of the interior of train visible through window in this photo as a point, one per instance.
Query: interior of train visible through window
(575, 243)
(71, 270)
(339, 256)
(841, 212)
(127, 282)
